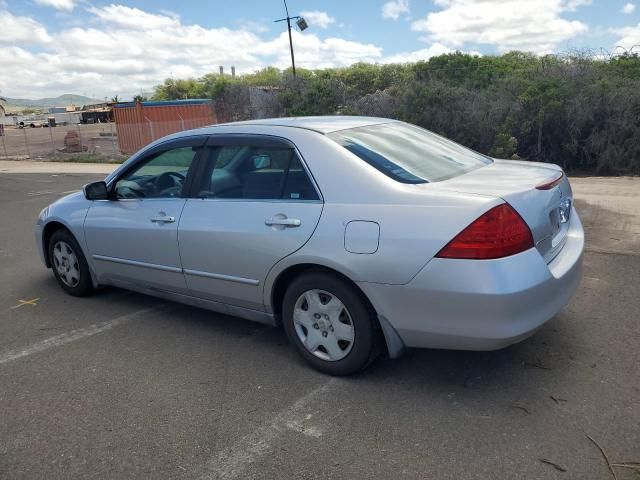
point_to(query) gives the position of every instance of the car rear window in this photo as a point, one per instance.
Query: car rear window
(409, 154)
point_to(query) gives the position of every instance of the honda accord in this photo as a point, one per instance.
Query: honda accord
(359, 236)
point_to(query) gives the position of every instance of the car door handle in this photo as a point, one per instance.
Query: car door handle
(284, 222)
(163, 219)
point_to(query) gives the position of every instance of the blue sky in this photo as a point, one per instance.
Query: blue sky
(49, 47)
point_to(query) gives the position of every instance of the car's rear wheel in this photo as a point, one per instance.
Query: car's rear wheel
(330, 324)
(68, 264)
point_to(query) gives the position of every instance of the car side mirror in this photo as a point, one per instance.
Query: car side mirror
(96, 191)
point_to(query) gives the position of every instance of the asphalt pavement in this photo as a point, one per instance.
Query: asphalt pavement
(123, 386)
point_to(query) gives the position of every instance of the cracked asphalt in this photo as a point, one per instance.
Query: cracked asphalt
(119, 385)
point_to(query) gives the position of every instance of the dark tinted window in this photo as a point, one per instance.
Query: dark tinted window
(253, 172)
(297, 185)
(409, 154)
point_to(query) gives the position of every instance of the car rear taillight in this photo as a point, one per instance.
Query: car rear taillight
(549, 185)
(498, 233)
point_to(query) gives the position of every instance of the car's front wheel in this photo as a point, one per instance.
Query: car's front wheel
(330, 324)
(68, 264)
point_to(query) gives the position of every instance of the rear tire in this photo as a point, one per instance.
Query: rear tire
(330, 324)
(69, 264)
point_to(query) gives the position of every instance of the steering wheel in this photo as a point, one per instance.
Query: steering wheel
(167, 180)
(129, 191)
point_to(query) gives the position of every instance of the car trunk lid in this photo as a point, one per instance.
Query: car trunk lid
(545, 211)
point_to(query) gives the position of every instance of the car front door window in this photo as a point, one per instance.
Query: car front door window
(161, 176)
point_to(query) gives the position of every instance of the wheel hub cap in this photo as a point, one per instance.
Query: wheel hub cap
(66, 264)
(323, 325)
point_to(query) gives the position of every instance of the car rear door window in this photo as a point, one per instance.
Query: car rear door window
(255, 173)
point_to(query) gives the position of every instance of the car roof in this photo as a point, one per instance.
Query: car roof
(321, 124)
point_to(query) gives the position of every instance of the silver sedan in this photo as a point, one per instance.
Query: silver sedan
(358, 235)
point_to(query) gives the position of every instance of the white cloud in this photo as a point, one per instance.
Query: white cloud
(312, 52)
(134, 18)
(628, 8)
(629, 37)
(252, 26)
(573, 5)
(317, 18)
(124, 50)
(67, 5)
(507, 24)
(395, 8)
(21, 30)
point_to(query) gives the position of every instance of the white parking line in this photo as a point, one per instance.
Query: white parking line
(72, 336)
(232, 462)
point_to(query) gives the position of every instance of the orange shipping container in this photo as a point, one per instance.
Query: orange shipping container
(139, 124)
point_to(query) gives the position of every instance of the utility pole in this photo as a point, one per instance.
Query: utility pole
(302, 25)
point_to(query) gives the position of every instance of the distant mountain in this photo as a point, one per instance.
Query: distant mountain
(61, 101)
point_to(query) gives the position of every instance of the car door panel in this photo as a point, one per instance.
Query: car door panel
(134, 236)
(127, 245)
(256, 206)
(227, 248)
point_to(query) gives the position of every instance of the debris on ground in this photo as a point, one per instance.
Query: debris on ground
(604, 455)
(553, 464)
(558, 399)
(520, 407)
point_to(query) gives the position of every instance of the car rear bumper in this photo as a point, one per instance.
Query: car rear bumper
(481, 304)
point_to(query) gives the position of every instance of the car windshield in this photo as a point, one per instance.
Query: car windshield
(409, 154)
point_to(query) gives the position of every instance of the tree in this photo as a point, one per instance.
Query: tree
(140, 98)
(115, 99)
(173, 89)
(577, 111)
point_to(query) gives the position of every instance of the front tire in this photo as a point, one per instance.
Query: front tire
(330, 324)
(69, 264)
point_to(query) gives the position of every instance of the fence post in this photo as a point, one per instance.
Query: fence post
(4, 146)
(53, 147)
(80, 138)
(26, 142)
